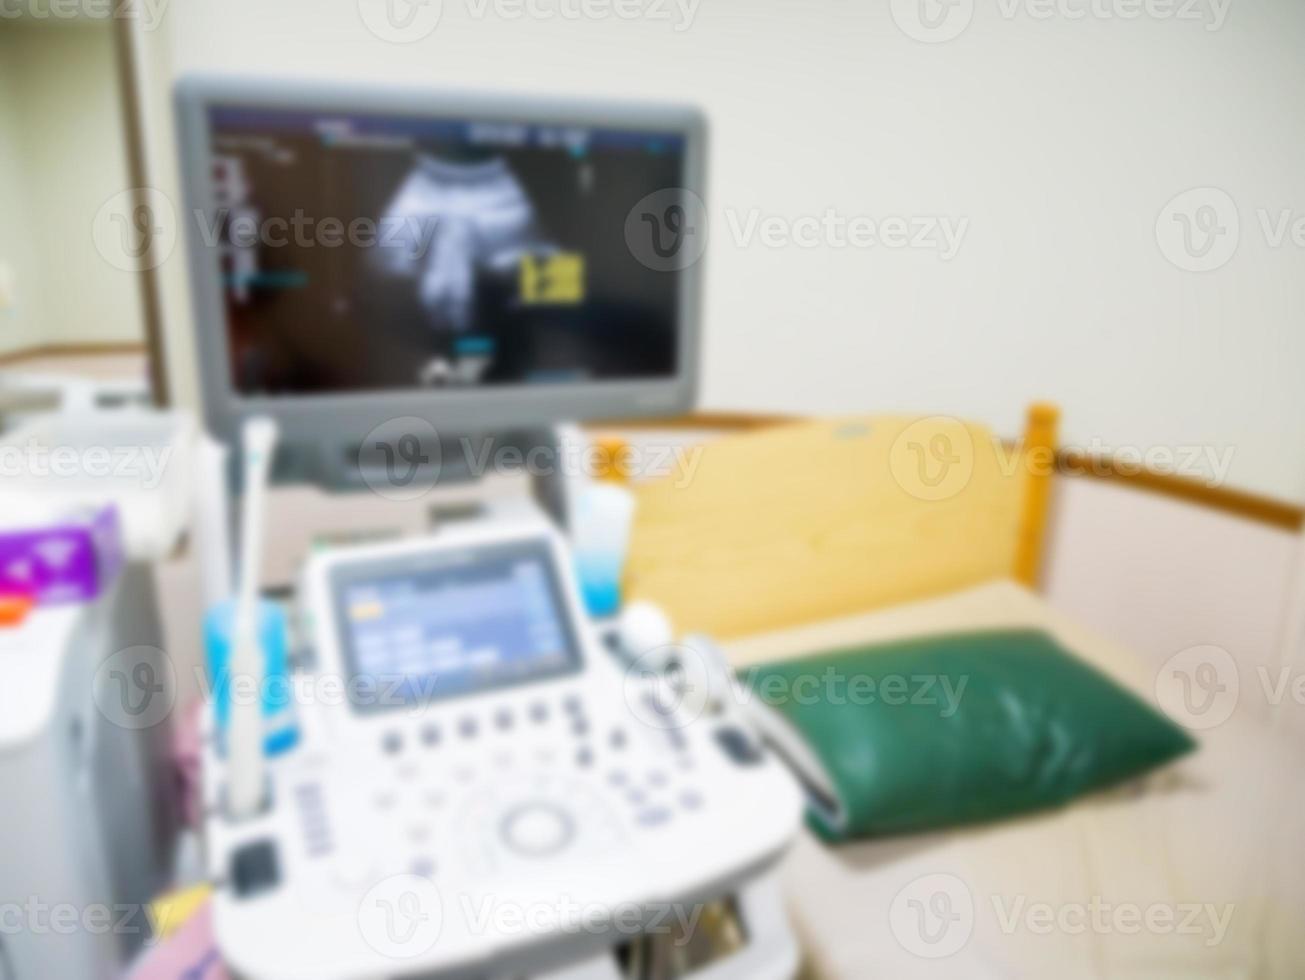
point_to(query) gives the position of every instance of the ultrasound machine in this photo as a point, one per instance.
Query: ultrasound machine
(486, 782)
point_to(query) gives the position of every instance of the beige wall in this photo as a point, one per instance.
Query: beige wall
(1163, 577)
(21, 319)
(1059, 139)
(63, 130)
(154, 60)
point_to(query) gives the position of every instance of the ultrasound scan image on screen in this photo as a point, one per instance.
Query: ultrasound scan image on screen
(365, 252)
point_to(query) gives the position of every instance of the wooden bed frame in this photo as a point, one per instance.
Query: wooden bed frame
(786, 521)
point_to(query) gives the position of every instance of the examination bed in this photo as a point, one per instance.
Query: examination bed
(1191, 872)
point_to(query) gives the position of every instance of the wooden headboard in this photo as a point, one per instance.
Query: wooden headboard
(804, 521)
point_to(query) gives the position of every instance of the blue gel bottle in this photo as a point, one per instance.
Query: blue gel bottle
(280, 727)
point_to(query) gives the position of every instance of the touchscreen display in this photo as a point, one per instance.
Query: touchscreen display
(450, 624)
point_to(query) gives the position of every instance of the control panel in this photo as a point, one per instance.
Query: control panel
(479, 784)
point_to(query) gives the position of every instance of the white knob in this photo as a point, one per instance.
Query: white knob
(537, 829)
(644, 627)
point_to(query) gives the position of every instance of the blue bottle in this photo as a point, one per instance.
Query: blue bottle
(281, 729)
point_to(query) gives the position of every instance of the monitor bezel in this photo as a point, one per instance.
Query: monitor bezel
(347, 418)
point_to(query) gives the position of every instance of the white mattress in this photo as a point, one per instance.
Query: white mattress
(1195, 872)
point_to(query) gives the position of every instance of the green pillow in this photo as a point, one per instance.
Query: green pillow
(955, 728)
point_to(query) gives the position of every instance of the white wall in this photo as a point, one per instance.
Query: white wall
(65, 129)
(1059, 140)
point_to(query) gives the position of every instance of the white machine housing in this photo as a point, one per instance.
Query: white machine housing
(521, 829)
(90, 819)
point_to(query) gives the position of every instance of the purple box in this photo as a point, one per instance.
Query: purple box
(72, 558)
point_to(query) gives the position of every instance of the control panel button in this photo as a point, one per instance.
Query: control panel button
(739, 746)
(422, 867)
(537, 829)
(654, 816)
(351, 870)
(255, 868)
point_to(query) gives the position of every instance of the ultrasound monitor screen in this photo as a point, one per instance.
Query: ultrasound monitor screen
(368, 252)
